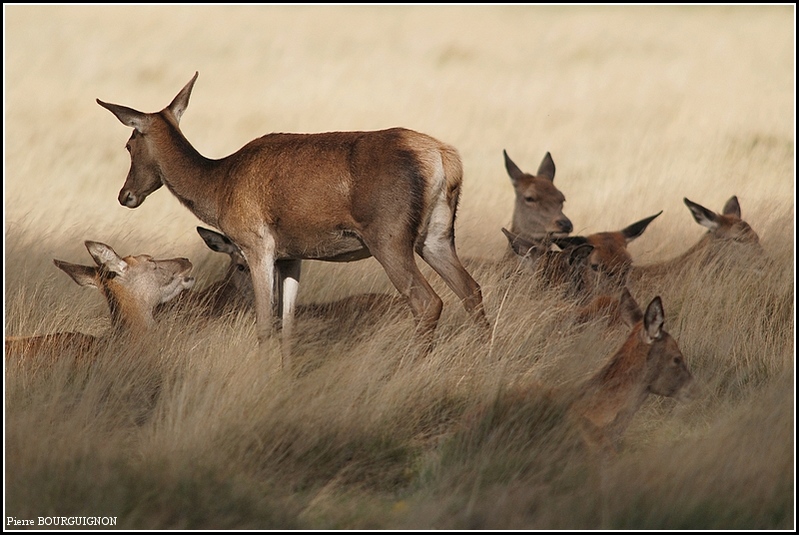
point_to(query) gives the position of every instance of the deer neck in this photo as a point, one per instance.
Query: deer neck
(190, 176)
(678, 262)
(127, 316)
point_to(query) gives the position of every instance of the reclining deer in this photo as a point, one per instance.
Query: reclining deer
(649, 362)
(132, 286)
(724, 229)
(592, 268)
(538, 209)
(338, 196)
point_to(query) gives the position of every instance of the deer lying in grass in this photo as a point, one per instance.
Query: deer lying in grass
(566, 268)
(339, 196)
(610, 259)
(724, 230)
(595, 268)
(649, 362)
(538, 210)
(132, 286)
(231, 293)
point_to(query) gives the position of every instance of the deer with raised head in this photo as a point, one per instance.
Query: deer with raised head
(231, 293)
(337, 196)
(649, 362)
(538, 209)
(132, 286)
(725, 230)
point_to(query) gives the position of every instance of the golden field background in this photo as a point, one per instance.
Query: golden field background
(639, 106)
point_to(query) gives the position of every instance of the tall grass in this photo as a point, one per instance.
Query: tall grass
(187, 428)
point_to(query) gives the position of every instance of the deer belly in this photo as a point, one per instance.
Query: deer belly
(339, 248)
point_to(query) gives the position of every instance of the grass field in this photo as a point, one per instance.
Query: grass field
(184, 429)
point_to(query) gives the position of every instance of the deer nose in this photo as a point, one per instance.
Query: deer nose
(127, 198)
(565, 225)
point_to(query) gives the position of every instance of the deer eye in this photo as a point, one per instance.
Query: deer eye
(529, 199)
(240, 267)
(677, 360)
(595, 267)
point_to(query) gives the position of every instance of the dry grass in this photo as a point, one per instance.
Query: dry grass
(639, 106)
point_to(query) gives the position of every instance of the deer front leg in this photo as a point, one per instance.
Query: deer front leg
(262, 270)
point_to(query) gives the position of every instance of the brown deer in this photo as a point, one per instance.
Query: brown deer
(338, 196)
(609, 260)
(132, 286)
(724, 230)
(566, 268)
(649, 362)
(538, 209)
(229, 294)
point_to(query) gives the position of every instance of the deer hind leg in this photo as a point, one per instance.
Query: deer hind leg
(438, 250)
(398, 262)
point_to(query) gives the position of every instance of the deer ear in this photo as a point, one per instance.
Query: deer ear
(580, 253)
(731, 207)
(127, 116)
(520, 245)
(217, 241)
(547, 168)
(653, 320)
(105, 256)
(703, 216)
(629, 310)
(513, 170)
(569, 241)
(83, 275)
(181, 100)
(638, 228)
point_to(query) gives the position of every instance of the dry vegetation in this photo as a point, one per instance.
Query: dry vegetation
(640, 107)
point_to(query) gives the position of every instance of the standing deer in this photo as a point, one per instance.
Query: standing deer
(724, 229)
(649, 362)
(338, 196)
(132, 286)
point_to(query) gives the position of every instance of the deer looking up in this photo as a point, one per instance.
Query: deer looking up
(338, 196)
(649, 362)
(132, 286)
(725, 231)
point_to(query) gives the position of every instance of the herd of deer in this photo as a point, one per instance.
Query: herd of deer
(346, 196)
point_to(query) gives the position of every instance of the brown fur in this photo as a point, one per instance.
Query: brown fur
(725, 231)
(649, 362)
(538, 209)
(337, 196)
(132, 287)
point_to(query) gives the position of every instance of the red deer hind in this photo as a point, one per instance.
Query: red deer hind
(724, 230)
(338, 196)
(649, 362)
(132, 286)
